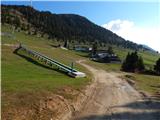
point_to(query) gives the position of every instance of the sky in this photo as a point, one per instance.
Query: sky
(135, 21)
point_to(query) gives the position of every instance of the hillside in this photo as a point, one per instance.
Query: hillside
(26, 83)
(33, 89)
(73, 28)
(27, 86)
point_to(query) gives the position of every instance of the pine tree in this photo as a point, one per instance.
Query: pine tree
(94, 48)
(126, 63)
(157, 66)
(65, 44)
(110, 50)
(133, 62)
(140, 65)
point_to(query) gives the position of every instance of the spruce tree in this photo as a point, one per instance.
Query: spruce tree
(110, 50)
(94, 48)
(126, 63)
(157, 66)
(65, 44)
(133, 62)
(140, 65)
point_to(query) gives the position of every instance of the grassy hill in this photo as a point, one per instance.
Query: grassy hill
(17, 68)
(34, 81)
(24, 83)
(74, 28)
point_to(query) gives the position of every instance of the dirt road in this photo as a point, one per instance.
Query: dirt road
(112, 98)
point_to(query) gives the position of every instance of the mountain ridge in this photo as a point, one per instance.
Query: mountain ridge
(71, 27)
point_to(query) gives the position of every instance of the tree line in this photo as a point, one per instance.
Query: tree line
(134, 63)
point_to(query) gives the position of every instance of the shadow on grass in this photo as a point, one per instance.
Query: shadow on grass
(147, 105)
(150, 72)
(83, 54)
(55, 46)
(124, 116)
(30, 59)
(153, 112)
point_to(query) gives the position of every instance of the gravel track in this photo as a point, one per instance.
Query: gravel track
(112, 98)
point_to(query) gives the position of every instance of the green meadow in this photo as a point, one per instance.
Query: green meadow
(26, 80)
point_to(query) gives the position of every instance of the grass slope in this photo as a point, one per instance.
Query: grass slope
(23, 82)
(18, 74)
(146, 83)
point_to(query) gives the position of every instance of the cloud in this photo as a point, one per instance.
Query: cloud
(117, 25)
(141, 35)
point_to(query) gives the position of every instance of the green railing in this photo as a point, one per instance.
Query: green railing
(48, 60)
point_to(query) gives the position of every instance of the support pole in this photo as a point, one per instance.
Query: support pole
(72, 64)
